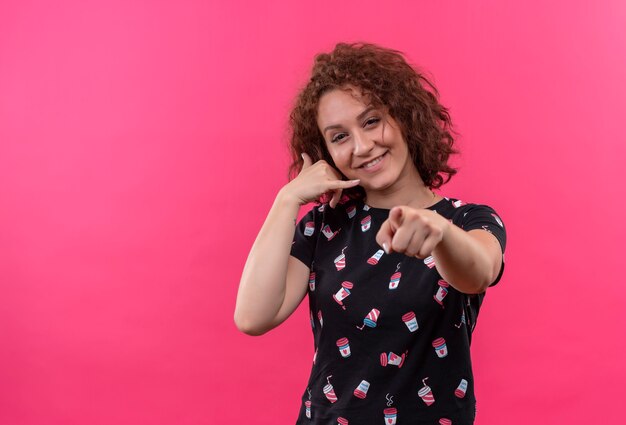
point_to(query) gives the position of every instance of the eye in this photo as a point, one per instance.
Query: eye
(372, 121)
(338, 138)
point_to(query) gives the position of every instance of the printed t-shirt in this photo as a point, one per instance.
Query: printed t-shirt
(391, 337)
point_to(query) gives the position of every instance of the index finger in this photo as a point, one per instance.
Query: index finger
(396, 218)
(385, 235)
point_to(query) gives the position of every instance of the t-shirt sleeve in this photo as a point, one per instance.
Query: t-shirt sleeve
(477, 216)
(305, 237)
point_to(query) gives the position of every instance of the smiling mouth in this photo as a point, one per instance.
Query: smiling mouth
(373, 162)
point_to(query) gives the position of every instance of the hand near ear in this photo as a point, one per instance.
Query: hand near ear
(316, 179)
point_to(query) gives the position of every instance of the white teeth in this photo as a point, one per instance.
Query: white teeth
(374, 162)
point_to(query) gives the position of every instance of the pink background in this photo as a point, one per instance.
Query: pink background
(142, 144)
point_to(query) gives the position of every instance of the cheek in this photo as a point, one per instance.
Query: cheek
(340, 156)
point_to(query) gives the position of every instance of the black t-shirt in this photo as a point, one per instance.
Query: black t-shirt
(391, 337)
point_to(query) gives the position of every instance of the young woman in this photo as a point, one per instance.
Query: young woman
(395, 273)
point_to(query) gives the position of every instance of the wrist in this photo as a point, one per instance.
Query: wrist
(287, 199)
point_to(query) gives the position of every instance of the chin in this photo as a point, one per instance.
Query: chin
(376, 185)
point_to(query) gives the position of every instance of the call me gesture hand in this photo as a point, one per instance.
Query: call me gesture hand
(317, 179)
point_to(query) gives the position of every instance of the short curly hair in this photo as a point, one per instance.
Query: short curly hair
(388, 81)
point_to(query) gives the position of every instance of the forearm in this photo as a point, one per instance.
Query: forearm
(462, 261)
(263, 281)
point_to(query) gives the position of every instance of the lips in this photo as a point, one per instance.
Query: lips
(370, 160)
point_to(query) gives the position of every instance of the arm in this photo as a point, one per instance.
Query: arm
(273, 283)
(468, 260)
(264, 286)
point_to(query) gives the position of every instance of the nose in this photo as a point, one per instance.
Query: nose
(362, 144)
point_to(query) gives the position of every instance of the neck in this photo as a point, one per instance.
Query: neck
(416, 197)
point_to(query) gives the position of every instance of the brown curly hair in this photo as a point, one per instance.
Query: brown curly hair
(389, 82)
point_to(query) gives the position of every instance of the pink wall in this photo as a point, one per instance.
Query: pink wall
(142, 144)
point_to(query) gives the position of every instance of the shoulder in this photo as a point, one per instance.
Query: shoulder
(461, 211)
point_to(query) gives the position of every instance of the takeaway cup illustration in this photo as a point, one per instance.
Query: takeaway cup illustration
(351, 210)
(461, 389)
(366, 223)
(426, 394)
(395, 280)
(442, 291)
(343, 293)
(340, 261)
(374, 259)
(410, 321)
(312, 281)
(497, 220)
(392, 359)
(329, 391)
(309, 228)
(391, 415)
(344, 347)
(361, 390)
(440, 347)
(371, 319)
(327, 231)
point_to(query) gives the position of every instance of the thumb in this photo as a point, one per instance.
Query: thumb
(307, 160)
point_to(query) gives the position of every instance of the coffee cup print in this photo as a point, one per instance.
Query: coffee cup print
(366, 223)
(340, 261)
(461, 389)
(458, 203)
(312, 281)
(440, 347)
(445, 421)
(307, 407)
(329, 391)
(361, 390)
(374, 259)
(351, 210)
(426, 394)
(312, 321)
(392, 359)
(366, 207)
(497, 220)
(309, 228)
(371, 319)
(320, 318)
(410, 321)
(326, 230)
(343, 293)
(429, 261)
(342, 421)
(395, 280)
(442, 291)
(344, 347)
(391, 415)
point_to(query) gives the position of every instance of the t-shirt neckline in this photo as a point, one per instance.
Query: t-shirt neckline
(431, 207)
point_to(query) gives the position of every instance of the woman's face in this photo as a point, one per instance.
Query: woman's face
(365, 142)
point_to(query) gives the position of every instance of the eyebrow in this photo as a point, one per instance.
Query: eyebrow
(358, 118)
